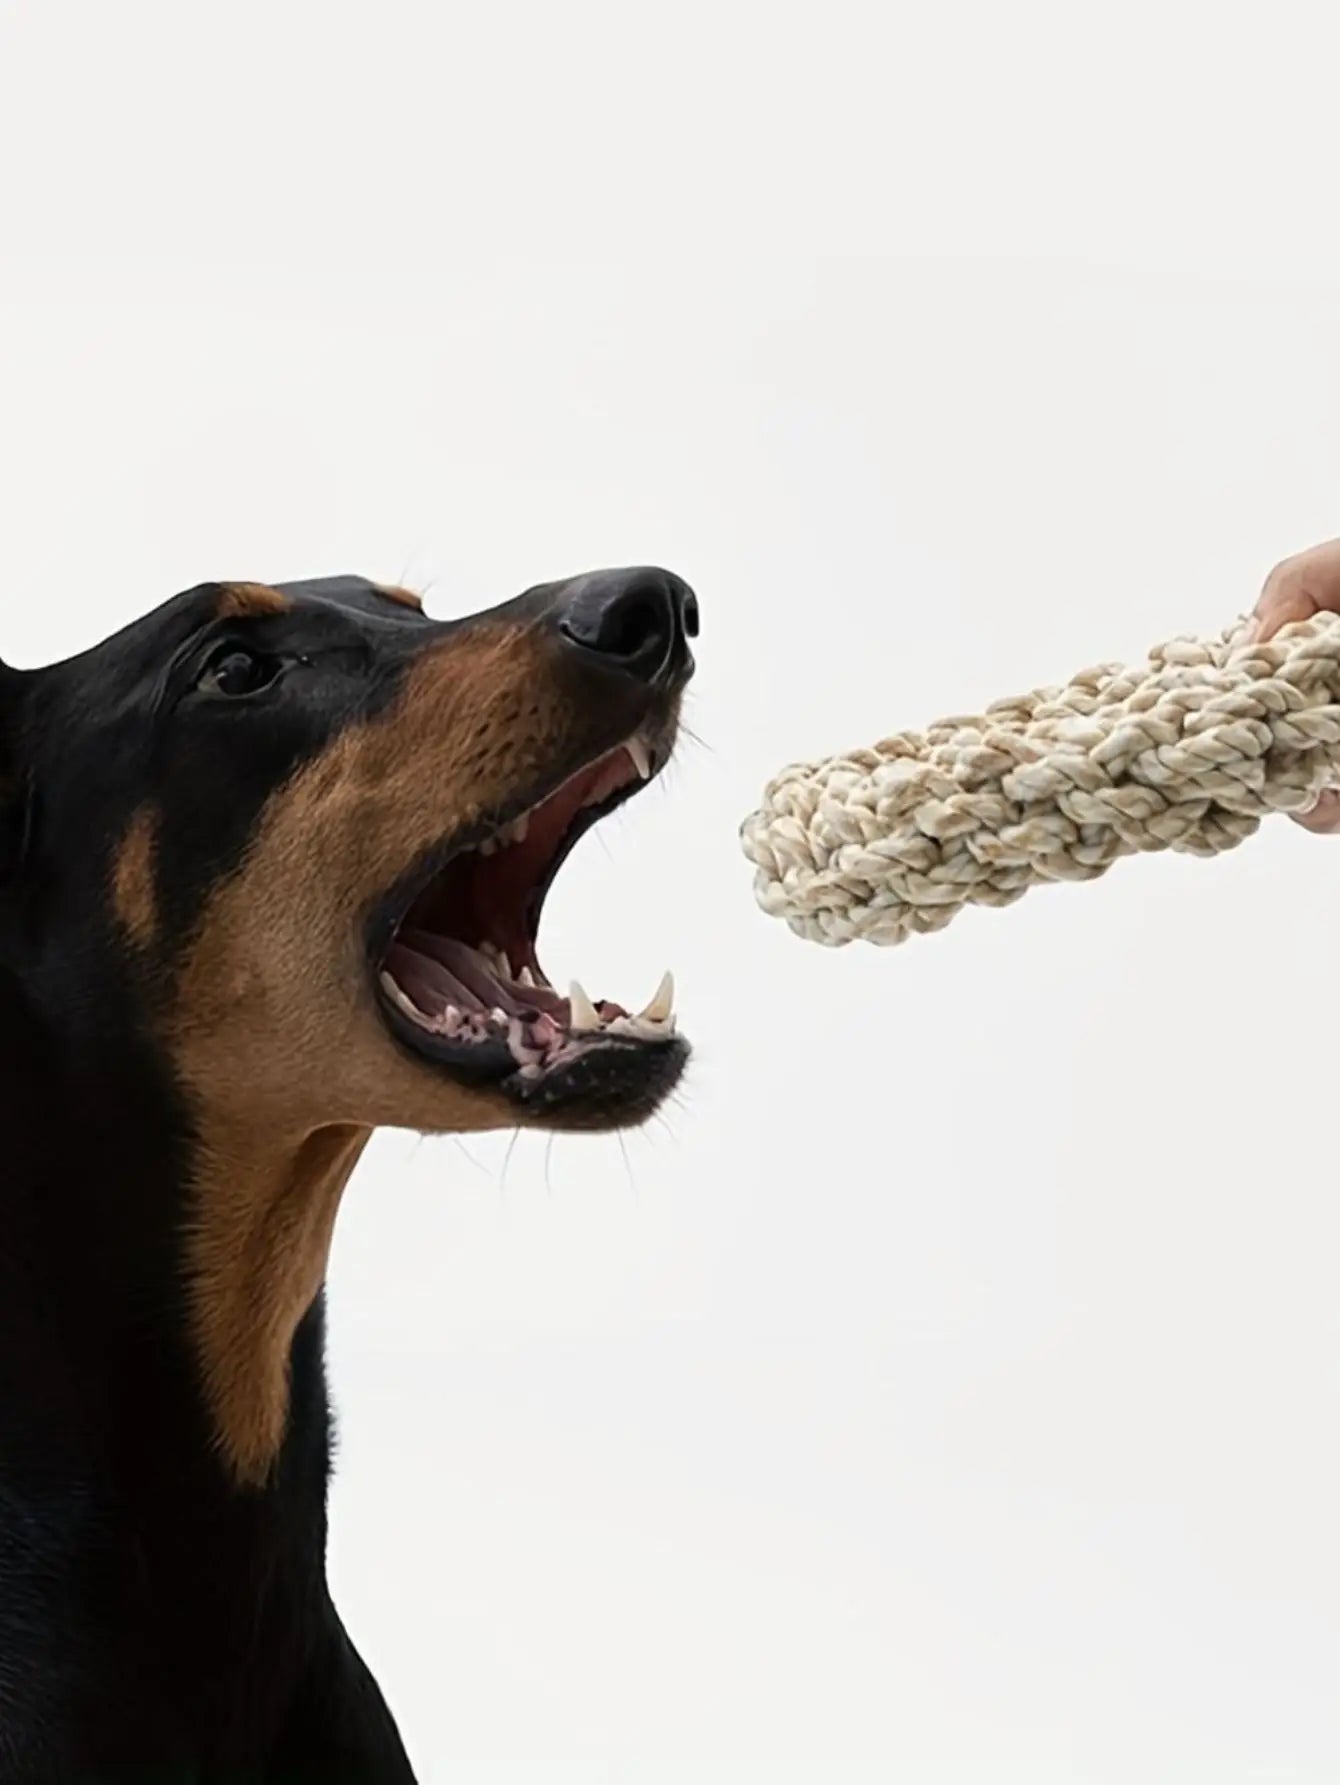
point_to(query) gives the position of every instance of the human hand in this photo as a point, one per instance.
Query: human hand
(1304, 585)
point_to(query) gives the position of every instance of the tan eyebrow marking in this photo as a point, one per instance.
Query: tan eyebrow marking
(250, 601)
(406, 597)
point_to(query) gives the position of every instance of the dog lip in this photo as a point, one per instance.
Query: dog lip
(610, 1081)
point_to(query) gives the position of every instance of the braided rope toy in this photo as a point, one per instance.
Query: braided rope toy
(1188, 752)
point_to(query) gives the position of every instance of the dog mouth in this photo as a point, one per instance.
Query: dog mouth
(460, 979)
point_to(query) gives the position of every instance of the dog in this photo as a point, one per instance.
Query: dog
(272, 867)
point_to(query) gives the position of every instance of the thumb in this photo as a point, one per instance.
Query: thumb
(1323, 818)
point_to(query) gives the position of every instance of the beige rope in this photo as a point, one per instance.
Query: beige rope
(1187, 752)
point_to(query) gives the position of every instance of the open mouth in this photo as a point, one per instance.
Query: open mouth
(460, 978)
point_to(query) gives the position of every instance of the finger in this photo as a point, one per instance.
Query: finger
(1324, 818)
(1281, 605)
(1308, 583)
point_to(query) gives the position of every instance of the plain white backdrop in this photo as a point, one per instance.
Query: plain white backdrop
(947, 1390)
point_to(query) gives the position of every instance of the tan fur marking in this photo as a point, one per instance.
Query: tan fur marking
(264, 1217)
(250, 601)
(406, 597)
(134, 896)
(274, 1028)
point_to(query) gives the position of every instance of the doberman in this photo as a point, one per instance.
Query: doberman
(272, 865)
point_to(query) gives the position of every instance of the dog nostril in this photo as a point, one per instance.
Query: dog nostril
(630, 627)
(637, 619)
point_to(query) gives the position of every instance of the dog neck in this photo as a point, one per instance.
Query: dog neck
(160, 1275)
(263, 1212)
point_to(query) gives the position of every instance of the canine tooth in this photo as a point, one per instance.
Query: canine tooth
(451, 1020)
(499, 1015)
(641, 757)
(526, 978)
(518, 831)
(585, 1016)
(662, 1007)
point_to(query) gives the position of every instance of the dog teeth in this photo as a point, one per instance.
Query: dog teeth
(526, 1050)
(498, 1015)
(515, 832)
(451, 1020)
(401, 999)
(585, 1018)
(641, 757)
(662, 1007)
(496, 957)
(657, 1021)
(526, 978)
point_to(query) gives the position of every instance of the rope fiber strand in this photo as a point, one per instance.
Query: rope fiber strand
(1189, 752)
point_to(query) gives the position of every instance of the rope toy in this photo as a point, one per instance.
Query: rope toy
(1189, 752)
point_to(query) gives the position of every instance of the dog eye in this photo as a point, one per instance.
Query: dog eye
(234, 672)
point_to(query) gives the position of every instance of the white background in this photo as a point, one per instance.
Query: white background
(947, 1390)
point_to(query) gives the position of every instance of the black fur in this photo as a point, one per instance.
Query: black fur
(156, 1624)
(159, 1625)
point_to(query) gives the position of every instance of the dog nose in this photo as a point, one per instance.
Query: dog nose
(639, 621)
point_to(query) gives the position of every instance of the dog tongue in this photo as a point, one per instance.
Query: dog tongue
(454, 973)
(428, 984)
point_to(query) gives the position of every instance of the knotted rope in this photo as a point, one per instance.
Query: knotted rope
(1189, 751)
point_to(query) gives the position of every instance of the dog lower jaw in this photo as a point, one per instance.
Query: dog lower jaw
(622, 1070)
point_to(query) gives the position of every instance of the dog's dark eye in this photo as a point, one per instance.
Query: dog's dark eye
(233, 672)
